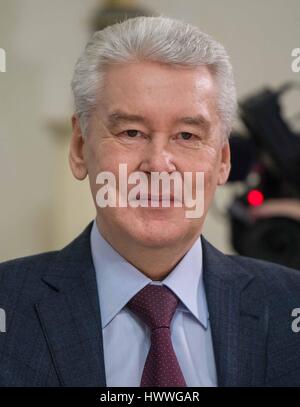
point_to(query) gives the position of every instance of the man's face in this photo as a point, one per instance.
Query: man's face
(157, 140)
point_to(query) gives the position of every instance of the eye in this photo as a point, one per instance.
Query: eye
(189, 140)
(132, 136)
(186, 135)
(131, 133)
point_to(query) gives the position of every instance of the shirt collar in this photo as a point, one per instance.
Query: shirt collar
(118, 280)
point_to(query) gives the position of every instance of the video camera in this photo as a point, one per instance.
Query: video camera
(268, 164)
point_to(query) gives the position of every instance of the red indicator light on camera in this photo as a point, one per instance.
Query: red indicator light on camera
(255, 197)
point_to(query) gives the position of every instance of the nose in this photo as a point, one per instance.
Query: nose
(157, 157)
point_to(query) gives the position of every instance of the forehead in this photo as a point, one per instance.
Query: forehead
(144, 83)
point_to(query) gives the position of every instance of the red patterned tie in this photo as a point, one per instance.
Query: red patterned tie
(156, 305)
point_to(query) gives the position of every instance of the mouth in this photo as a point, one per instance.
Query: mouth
(155, 198)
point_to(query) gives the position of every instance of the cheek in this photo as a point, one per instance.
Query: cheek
(211, 169)
(205, 161)
(106, 156)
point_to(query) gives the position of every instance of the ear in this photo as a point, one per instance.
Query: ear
(225, 165)
(76, 158)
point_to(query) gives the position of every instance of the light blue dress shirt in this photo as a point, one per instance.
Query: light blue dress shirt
(126, 339)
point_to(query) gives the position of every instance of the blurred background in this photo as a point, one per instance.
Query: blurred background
(43, 207)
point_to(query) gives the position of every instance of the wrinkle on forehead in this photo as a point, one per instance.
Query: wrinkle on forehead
(160, 93)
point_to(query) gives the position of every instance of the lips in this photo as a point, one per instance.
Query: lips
(158, 198)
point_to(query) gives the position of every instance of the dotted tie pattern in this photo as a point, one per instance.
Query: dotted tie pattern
(156, 306)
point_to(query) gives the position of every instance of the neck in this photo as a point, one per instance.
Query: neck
(154, 262)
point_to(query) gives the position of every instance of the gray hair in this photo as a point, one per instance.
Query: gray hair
(157, 39)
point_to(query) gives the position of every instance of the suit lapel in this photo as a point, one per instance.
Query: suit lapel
(238, 319)
(70, 316)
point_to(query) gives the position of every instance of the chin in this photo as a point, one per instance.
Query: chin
(157, 234)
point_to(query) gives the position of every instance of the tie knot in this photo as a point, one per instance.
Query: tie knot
(155, 305)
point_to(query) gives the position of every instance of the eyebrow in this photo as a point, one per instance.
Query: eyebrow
(197, 120)
(118, 117)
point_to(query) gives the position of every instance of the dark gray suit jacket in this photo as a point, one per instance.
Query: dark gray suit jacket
(54, 337)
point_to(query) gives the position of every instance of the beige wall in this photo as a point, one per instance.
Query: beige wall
(42, 207)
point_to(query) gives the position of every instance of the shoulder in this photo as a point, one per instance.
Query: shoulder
(21, 263)
(41, 263)
(21, 283)
(25, 273)
(272, 276)
(27, 261)
(266, 269)
(275, 277)
(25, 268)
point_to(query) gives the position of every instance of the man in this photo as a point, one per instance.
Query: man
(141, 298)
